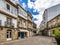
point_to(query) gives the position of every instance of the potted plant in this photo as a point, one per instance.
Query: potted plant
(57, 35)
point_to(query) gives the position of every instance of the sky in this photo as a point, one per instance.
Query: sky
(37, 7)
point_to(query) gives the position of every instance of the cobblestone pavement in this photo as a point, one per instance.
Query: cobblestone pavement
(36, 40)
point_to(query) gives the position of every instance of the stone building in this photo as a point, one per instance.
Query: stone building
(8, 20)
(14, 21)
(43, 24)
(22, 22)
(34, 29)
(49, 14)
(53, 23)
(31, 26)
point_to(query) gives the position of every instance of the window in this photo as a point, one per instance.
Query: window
(9, 20)
(8, 7)
(12, 10)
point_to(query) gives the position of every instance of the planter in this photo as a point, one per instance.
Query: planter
(58, 40)
(57, 35)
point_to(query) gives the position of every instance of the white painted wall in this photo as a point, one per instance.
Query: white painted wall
(3, 19)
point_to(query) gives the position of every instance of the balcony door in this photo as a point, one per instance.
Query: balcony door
(9, 35)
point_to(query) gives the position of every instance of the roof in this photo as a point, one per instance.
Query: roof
(53, 6)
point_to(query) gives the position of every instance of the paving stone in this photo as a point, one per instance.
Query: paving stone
(36, 40)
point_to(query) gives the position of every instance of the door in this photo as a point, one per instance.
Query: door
(22, 35)
(9, 34)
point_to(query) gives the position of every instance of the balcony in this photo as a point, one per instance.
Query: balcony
(8, 24)
(4, 10)
(23, 16)
(20, 25)
(29, 27)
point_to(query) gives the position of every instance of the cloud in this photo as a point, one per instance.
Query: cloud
(38, 17)
(34, 19)
(40, 6)
(24, 5)
(30, 4)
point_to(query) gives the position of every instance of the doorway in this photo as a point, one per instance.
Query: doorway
(22, 34)
(9, 35)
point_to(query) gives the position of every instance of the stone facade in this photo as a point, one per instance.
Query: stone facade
(54, 23)
(3, 34)
(14, 21)
(8, 21)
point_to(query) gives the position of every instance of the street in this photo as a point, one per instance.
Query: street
(36, 40)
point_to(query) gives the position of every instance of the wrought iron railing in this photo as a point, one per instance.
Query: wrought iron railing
(9, 24)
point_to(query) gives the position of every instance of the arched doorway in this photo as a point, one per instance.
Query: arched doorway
(9, 35)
